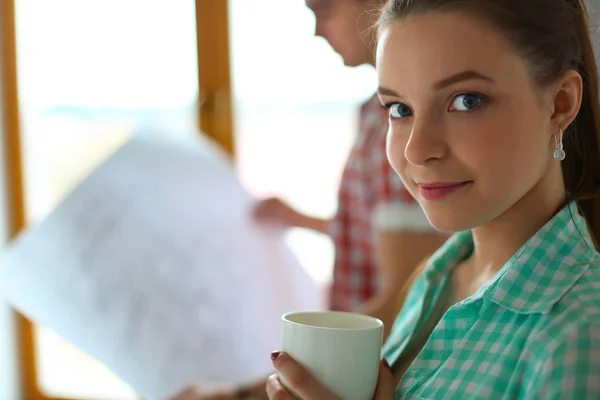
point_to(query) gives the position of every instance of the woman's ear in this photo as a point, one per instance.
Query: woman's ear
(567, 99)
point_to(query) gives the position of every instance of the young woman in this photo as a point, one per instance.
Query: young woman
(495, 129)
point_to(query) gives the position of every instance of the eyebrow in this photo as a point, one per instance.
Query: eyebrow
(460, 77)
(451, 80)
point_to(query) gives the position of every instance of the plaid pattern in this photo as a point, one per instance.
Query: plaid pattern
(533, 332)
(367, 180)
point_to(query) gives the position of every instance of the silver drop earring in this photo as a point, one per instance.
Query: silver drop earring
(559, 153)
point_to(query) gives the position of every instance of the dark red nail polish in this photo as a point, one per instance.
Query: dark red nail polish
(385, 364)
(274, 355)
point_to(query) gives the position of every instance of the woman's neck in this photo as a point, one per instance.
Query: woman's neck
(497, 241)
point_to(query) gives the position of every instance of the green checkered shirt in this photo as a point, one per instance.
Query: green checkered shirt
(532, 332)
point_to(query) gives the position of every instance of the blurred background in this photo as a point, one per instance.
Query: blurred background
(79, 77)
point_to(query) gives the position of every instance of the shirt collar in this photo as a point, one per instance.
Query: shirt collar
(540, 272)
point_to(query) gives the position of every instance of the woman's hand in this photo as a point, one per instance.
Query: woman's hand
(305, 387)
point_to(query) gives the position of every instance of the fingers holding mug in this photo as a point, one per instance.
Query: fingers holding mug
(294, 382)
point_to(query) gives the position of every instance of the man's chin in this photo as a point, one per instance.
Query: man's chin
(348, 62)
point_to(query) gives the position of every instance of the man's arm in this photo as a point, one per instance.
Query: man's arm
(253, 391)
(313, 223)
(402, 257)
(400, 252)
(276, 210)
(404, 239)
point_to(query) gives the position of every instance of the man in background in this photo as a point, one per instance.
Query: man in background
(379, 231)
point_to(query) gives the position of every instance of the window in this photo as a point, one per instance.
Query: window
(90, 74)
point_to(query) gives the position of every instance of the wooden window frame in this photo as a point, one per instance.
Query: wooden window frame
(215, 120)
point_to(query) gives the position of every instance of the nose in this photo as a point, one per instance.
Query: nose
(426, 142)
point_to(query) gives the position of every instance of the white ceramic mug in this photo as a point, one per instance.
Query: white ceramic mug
(341, 350)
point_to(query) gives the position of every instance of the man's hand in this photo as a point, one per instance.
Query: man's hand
(277, 211)
(198, 393)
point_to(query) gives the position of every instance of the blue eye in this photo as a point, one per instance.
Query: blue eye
(466, 102)
(399, 110)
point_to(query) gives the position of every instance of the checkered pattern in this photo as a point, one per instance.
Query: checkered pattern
(367, 181)
(533, 332)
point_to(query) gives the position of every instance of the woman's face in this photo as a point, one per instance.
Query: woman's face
(470, 132)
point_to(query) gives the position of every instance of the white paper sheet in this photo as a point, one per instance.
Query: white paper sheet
(154, 266)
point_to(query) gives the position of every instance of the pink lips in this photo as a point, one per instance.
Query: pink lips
(439, 190)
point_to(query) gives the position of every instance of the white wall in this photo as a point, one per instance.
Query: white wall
(9, 383)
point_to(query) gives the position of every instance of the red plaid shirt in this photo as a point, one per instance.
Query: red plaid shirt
(367, 180)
